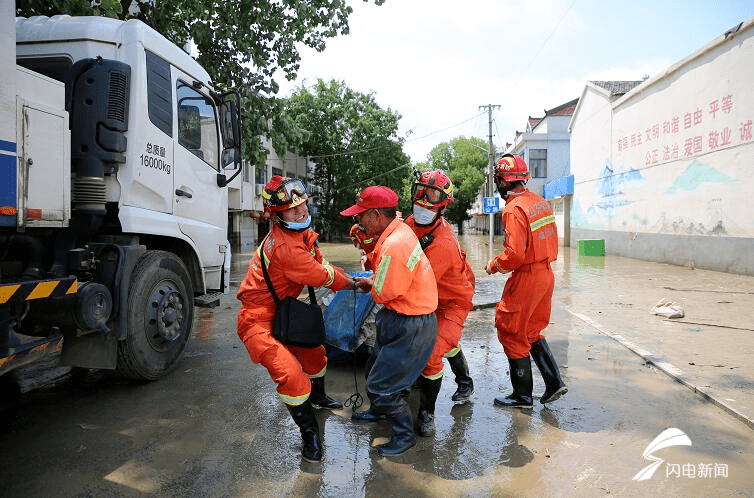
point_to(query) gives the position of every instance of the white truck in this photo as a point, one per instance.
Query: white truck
(114, 150)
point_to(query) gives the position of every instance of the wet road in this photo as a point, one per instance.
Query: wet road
(214, 427)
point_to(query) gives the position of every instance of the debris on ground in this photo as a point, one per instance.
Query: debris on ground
(668, 309)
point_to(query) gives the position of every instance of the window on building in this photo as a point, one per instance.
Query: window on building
(277, 171)
(260, 175)
(247, 168)
(538, 163)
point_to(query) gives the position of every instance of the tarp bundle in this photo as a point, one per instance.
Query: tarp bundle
(345, 316)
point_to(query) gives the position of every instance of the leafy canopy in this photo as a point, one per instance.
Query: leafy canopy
(353, 143)
(465, 161)
(241, 43)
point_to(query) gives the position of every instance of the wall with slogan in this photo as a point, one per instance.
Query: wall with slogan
(676, 182)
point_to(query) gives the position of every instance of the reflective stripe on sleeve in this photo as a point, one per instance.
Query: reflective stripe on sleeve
(331, 273)
(414, 258)
(379, 278)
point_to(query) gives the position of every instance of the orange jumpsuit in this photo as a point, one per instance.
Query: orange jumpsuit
(531, 244)
(293, 262)
(455, 289)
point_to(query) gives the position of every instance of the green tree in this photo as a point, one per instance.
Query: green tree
(465, 161)
(353, 143)
(241, 43)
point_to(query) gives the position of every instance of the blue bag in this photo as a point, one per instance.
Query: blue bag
(344, 316)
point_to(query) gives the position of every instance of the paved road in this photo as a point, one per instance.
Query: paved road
(215, 428)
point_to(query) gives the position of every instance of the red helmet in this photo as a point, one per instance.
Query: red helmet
(283, 193)
(432, 189)
(511, 168)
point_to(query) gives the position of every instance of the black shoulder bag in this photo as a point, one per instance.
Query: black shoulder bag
(296, 323)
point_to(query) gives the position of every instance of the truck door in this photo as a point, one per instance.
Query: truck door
(200, 206)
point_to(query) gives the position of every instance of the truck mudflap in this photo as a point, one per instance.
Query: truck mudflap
(17, 349)
(22, 350)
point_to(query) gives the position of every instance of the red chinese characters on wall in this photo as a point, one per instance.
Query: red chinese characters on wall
(671, 148)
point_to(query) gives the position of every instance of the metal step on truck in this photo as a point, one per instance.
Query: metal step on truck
(115, 155)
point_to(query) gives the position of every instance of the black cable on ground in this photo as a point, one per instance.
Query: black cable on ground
(355, 400)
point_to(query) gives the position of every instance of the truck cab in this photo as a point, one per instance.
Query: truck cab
(117, 192)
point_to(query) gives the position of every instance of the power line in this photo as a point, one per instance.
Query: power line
(446, 129)
(369, 149)
(405, 165)
(551, 33)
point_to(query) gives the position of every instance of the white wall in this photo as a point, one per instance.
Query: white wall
(675, 163)
(591, 135)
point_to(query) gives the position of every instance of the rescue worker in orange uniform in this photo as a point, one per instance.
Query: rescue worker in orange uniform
(293, 261)
(531, 244)
(363, 241)
(431, 194)
(404, 283)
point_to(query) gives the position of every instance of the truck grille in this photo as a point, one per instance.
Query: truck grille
(117, 97)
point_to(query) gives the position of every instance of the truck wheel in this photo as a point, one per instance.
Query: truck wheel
(160, 315)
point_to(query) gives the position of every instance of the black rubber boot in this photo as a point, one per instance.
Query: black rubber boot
(367, 416)
(554, 385)
(303, 415)
(522, 383)
(461, 370)
(403, 431)
(425, 421)
(318, 397)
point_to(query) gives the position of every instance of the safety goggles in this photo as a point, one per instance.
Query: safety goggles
(433, 195)
(289, 191)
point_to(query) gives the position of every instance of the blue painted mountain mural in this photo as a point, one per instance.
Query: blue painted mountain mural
(611, 183)
(697, 174)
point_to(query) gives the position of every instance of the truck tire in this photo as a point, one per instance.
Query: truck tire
(160, 316)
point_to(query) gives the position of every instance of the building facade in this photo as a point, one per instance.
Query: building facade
(245, 227)
(665, 172)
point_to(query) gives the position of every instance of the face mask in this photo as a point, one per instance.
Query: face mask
(423, 216)
(290, 225)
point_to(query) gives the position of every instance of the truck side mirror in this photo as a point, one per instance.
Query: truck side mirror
(230, 123)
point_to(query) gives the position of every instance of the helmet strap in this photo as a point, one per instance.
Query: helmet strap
(509, 187)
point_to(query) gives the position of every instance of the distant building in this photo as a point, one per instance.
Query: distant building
(545, 146)
(662, 168)
(245, 228)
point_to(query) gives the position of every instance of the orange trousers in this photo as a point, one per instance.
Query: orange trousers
(449, 329)
(524, 310)
(290, 367)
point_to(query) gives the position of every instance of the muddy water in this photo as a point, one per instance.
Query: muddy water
(215, 428)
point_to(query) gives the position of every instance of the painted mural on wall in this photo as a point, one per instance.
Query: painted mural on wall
(682, 157)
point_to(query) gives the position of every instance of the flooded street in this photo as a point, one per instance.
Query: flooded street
(214, 427)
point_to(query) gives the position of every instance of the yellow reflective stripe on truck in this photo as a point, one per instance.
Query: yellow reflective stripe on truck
(26, 291)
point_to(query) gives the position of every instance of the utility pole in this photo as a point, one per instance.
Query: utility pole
(491, 165)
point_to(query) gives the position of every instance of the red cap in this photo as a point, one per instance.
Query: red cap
(375, 197)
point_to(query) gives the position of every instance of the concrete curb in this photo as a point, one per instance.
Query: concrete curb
(672, 371)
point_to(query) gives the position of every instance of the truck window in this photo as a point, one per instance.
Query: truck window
(159, 96)
(197, 125)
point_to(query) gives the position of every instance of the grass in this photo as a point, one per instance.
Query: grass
(342, 254)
